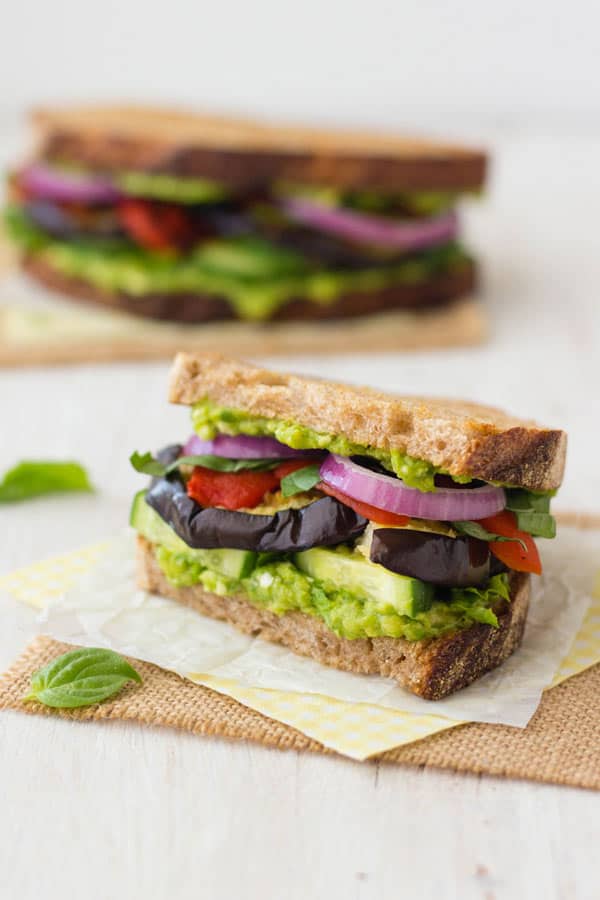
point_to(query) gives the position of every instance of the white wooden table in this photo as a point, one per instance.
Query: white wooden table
(105, 810)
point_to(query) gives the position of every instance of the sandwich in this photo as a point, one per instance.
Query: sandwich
(192, 218)
(374, 533)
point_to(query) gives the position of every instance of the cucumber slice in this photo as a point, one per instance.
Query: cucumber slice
(249, 258)
(234, 564)
(353, 573)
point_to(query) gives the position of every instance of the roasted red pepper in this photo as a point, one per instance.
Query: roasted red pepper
(155, 225)
(512, 553)
(238, 490)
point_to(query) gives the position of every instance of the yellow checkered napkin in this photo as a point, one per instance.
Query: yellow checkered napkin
(357, 730)
(585, 650)
(36, 584)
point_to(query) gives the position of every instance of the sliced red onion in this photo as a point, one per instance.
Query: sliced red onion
(244, 446)
(391, 494)
(69, 187)
(368, 229)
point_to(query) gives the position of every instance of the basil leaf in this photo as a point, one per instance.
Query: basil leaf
(540, 524)
(532, 512)
(474, 529)
(518, 498)
(301, 480)
(81, 678)
(221, 464)
(148, 465)
(34, 478)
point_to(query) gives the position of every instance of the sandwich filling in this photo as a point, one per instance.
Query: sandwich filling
(295, 521)
(144, 233)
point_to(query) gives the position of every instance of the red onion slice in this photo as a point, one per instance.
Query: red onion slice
(244, 446)
(391, 494)
(69, 187)
(367, 229)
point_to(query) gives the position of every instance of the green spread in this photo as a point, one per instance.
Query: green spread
(208, 420)
(159, 186)
(282, 588)
(255, 277)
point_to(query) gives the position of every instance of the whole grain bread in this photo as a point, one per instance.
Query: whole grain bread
(243, 152)
(431, 668)
(197, 307)
(461, 438)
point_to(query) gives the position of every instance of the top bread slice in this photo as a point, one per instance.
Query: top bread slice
(244, 152)
(461, 438)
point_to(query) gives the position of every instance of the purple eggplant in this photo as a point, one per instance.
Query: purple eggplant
(322, 523)
(435, 558)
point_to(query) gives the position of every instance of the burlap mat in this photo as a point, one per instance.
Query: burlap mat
(561, 744)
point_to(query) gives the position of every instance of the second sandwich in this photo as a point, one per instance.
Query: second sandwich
(191, 218)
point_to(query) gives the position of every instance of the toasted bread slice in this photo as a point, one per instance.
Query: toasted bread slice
(242, 152)
(461, 438)
(435, 292)
(432, 668)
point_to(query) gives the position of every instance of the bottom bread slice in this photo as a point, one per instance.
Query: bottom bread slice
(431, 668)
(434, 292)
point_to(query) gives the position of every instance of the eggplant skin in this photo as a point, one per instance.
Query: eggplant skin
(440, 560)
(320, 524)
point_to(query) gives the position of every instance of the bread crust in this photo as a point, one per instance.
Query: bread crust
(194, 308)
(246, 153)
(431, 669)
(461, 438)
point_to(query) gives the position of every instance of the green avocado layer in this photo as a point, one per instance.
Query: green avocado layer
(254, 276)
(282, 588)
(159, 186)
(208, 420)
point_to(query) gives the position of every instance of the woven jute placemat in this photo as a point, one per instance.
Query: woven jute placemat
(561, 744)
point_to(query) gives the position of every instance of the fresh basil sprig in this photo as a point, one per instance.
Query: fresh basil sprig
(474, 529)
(81, 678)
(34, 478)
(301, 480)
(149, 465)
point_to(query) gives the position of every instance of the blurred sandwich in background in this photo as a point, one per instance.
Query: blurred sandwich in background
(192, 218)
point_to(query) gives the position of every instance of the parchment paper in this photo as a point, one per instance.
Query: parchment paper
(106, 609)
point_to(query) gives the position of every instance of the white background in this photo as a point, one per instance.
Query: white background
(114, 810)
(391, 62)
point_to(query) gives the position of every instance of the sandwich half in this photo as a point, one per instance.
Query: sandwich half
(191, 218)
(374, 533)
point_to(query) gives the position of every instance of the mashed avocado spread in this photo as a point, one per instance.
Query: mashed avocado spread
(254, 276)
(159, 186)
(282, 588)
(208, 420)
